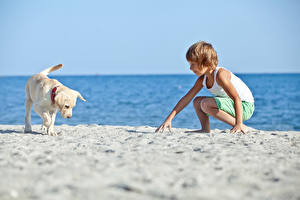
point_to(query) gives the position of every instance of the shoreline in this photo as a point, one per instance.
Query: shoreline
(126, 162)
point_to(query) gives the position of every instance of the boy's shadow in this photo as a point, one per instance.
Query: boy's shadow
(137, 131)
(8, 131)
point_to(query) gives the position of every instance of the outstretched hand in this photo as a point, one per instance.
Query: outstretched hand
(239, 128)
(166, 124)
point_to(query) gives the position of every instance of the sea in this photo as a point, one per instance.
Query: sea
(146, 100)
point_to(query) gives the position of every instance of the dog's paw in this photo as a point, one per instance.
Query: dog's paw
(52, 133)
(44, 128)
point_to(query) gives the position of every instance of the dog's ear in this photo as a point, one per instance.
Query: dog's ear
(79, 95)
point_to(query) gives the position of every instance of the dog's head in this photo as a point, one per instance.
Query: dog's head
(65, 99)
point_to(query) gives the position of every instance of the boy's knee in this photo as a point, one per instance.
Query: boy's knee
(205, 104)
(197, 101)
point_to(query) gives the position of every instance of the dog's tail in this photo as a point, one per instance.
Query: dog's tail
(51, 69)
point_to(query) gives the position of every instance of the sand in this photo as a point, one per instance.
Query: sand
(123, 162)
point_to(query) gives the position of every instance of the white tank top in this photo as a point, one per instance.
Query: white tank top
(241, 88)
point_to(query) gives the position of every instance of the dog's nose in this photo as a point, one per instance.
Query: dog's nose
(69, 116)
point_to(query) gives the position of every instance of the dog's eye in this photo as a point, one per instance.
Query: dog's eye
(67, 107)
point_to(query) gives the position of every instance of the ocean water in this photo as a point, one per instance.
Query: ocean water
(146, 100)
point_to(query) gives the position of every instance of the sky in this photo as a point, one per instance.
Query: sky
(147, 37)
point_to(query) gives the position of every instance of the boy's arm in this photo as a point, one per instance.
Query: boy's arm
(224, 80)
(182, 103)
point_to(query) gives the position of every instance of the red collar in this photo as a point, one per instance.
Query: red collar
(53, 94)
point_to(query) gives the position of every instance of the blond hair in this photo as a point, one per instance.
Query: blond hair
(203, 53)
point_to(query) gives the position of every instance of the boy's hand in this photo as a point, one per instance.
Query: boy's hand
(166, 124)
(239, 128)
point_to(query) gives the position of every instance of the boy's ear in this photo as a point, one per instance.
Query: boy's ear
(204, 62)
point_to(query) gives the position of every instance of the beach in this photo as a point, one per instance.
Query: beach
(132, 162)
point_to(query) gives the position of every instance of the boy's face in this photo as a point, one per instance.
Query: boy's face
(196, 68)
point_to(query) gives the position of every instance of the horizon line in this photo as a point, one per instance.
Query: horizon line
(148, 74)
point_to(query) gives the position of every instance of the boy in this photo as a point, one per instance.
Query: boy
(232, 102)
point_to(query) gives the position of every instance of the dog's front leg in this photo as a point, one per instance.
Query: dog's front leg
(51, 128)
(46, 122)
(43, 114)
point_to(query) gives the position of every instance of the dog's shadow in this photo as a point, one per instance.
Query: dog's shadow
(9, 131)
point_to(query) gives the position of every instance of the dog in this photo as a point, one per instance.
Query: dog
(47, 97)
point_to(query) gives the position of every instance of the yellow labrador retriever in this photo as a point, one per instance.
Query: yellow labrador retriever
(47, 96)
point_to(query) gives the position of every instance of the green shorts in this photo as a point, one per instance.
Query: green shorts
(227, 105)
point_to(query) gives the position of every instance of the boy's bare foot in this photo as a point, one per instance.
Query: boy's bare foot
(198, 131)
